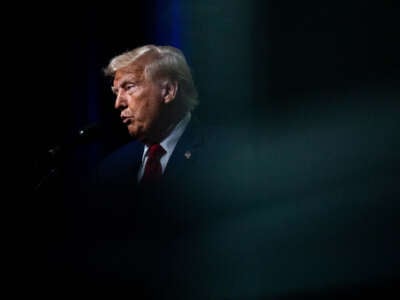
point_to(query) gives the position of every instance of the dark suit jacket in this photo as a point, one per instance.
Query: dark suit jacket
(137, 234)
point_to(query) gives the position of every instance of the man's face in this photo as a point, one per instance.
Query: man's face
(140, 102)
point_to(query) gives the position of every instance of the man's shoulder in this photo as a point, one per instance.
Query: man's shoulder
(130, 148)
(221, 151)
(218, 134)
(121, 158)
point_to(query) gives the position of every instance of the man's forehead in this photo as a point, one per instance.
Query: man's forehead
(129, 73)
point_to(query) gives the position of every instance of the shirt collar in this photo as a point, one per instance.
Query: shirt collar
(171, 140)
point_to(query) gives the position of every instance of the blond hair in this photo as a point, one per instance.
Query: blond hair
(160, 61)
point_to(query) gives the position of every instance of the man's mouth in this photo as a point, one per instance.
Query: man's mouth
(126, 120)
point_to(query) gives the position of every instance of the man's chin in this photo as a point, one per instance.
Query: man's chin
(132, 132)
(135, 134)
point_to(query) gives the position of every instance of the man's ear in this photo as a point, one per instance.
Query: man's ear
(169, 90)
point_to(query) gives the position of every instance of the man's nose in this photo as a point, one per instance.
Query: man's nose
(120, 101)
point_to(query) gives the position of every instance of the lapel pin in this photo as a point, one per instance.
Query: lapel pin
(188, 154)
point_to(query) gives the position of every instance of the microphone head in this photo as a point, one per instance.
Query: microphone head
(91, 131)
(86, 134)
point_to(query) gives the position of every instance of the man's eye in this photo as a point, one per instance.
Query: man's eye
(129, 87)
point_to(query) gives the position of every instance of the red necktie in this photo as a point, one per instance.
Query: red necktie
(153, 169)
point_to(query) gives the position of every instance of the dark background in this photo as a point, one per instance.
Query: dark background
(273, 64)
(253, 60)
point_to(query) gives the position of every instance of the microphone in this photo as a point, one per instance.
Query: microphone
(90, 132)
(56, 154)
(86, 134)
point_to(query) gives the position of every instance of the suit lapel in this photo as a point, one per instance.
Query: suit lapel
(186, 151)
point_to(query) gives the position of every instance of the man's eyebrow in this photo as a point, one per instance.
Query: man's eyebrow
(124, 83)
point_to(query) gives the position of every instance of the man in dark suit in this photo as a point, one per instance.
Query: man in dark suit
(155, 95)
(142, 212)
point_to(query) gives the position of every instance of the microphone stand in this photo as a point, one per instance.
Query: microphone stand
(46, 178)
(50, 166)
